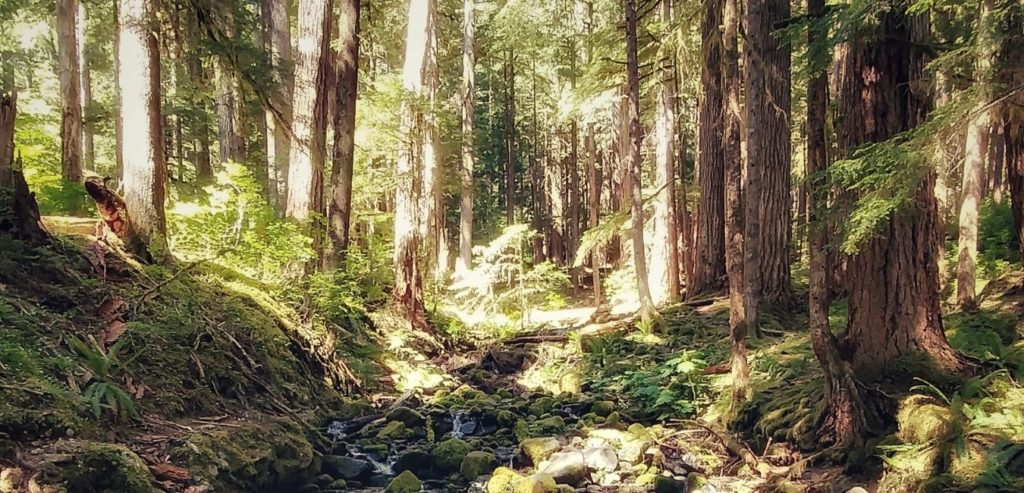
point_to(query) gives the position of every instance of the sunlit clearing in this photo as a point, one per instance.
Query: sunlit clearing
(413, 377)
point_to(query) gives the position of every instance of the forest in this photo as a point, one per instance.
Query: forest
(512, 246)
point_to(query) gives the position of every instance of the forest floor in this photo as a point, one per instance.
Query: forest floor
(129, 378)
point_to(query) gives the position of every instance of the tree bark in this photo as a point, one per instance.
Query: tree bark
(647, 312)
(278, 37)
(1012, 75)
(306, 159)
(767, 181)
(665, 250)
(144, 168)
(465, 261)
(70, 90)
(85, 85)
(340, 211)
(594, 210)
(708, 257)
(974, 175)
(433, 222)
(893, 277)
(734, 205)
(510, 139)
(843, 420)
(408, 291)
(8, 114)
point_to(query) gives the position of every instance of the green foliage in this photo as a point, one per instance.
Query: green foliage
(998, 245)
(344, 295)
(104, 392)
(230, 223)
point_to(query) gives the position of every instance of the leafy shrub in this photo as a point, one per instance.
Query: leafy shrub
(104, 392)
(998, 245)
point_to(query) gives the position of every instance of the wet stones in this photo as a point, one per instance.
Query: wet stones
(449, 454)
(567, 468)
(538, 450)
(406, 416)
(339, 466)
(407, 482)
(477, 463)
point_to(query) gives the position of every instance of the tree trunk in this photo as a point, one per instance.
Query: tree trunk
(709, 235)
(118, 124)
(8, 115)
(465, 261)
(767, 181)
(664, 270)
(85, 85)
(408, 291)
(893, 277)
(510, 139)
(594, 210)
(1012, 75)
(340, 211)
(306, 159)
(19, 213)
(145, 171)
(843, 419)
(974, 175)
(70, 90)
(647, 312)
(432, 223)
(734, 205)
(277, 28)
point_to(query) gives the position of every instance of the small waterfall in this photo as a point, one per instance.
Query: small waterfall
(385, 468)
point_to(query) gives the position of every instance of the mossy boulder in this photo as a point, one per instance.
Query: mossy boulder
(258, 456)
(394, 430)
(550, 425)
(503, 480)
(539, 449)
(537, 483)
(449, 454)
(477, 463)
(602, 408)
(541, 406)
(417, 461)
(84, 466)
(408, 417)
(339, 466)
(665, 484)
(407, 482)
(506, 418)
(923, 420)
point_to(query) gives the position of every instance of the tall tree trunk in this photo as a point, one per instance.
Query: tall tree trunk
(70, 90)
(340, 211)
(465, 261)
(734, 205)
(118, 123)
(974, 175)
(8, 114)
(767, 182)
(893, 277)
(665, 251)
(145, 171)
(510, 139)
(708, 257)
(540, 222)
(306, 159)
(433, 223)
(594, 210)
(85, 85)
(1011, 73)
(842, 420)
(278, 37)
(647, 312)
(408, 291)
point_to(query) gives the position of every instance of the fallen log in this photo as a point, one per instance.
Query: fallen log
(110, 205)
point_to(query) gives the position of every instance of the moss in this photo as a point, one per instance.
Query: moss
(266, 456)
(550, 425)
(503, 480)
(83, 466)
(541, 406)
(394, 430)
(539, 449)
(922, 420)
(602, 408)
(449, 454)
(477, 464)
(407, 482)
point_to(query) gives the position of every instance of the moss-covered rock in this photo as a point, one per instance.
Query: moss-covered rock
(602, 408)
(550, 425)
(260, 456)
(406, 416)
(665, 484)
(347, 467)
(541, 406)
(477, 463)
(537, 483)
(417, 461)
(503, 480)
(394, 430)
(539, 449)
(923, 420)
(407, 482)
(81, 466)
(449, 454)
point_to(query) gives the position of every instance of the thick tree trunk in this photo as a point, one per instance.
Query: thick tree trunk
(85, 85)
(893, 277)
(1012, 75)
(145, 171)
(767, 181)
(647, 312)
(408, 291)
(734, 204)
(433, 222)
(465, 261)
(70, 90)
(306, 159)
(8, 114)
(665, 251)
(974, 175)
(340, 210)
(843, 419)
(278, 37)
(709, 235)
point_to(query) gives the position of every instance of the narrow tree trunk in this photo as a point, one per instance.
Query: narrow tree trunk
(432, 221)
(465, 261)
(8, 114)
(408, 291)
(70, 90)
(665, 251)
(594, 210)
(118, 124)
(340, 211)
(85, 84)
(893, 277)
(145, 172)
(767, 182)
(974, 175)
(279, 45)
(541, 222)
(708, 257)
(734, 205)
(843, 419)
(647, 312)
(510, 140)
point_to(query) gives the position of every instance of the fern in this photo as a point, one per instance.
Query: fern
(103, 393)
